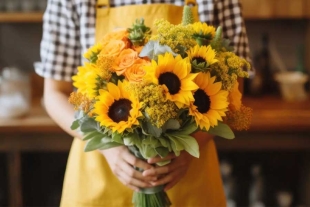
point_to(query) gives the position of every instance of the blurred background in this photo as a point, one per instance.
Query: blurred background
(268, 165)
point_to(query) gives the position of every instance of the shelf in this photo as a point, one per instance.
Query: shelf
(276, 9)
(21, 17)
(272, 114)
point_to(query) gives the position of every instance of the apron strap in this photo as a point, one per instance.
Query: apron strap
(106, 3)
(101, 3)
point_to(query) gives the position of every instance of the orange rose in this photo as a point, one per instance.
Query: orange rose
(120, 34)
(125, 59)
(136, 72)
(113, 48)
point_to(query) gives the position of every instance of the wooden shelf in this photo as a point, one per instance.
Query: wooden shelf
(20, 17)
(275, 9)
(273, 114)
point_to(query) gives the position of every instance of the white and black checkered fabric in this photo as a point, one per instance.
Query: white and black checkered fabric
(69, 29)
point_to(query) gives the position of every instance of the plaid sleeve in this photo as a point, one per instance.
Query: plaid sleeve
(228, 14)
(60, 48)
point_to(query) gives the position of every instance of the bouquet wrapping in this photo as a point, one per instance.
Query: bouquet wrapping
(152, 92)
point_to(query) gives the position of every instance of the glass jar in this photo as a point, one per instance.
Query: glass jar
(15, 92)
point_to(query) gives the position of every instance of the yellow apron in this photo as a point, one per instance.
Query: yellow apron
(89, 182)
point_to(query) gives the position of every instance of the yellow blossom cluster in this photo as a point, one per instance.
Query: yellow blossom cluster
(105, 62)
(228, 68)
(239, 119)
(158, 108)
(80, 102)
(174, 35)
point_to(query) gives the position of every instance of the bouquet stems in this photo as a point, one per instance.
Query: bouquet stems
(149, 197)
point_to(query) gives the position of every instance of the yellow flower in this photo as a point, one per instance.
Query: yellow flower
(174, 35)
(240, 119)
(228, 68)
(94, 50)
(117, 109)
(203, 30)
(80, 101)
(174, 74)
(210, 102)
(87, 79)
(234, 98)
(157, 108)
(202, 57)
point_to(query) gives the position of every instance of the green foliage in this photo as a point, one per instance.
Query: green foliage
(219, 43)
(222, 130)
(93, 57)
(138, 33)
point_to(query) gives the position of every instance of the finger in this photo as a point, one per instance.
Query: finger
(136, 174)
(156, 159)
(160, 170)
(169, 180)
(134, 161)
(135, 188)
(131, 181)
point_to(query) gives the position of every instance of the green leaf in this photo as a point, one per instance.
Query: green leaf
(162, 151)
(222, 130)
(133, 139)
(110, 145)
(186, 142)
(75, 125)
(162, 163)
(190, 128)
(147, 151)
(153, 130)
(171, 124)
(116, 137)
(97, 142)
(88, 124)
(91, 135)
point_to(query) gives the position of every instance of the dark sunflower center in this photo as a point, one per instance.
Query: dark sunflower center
(172, 82)
(202, 101)
(119, 111)
(199, 60)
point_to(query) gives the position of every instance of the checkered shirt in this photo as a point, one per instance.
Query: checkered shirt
(69, 30)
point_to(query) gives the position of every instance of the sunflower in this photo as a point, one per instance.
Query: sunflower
(204, 29)
(201, 57)
(210, 102)
(91, 53)
(203, 33)
(87, 79)
(174, 74)
(116, 109)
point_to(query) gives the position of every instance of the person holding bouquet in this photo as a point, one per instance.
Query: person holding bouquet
(107, 177)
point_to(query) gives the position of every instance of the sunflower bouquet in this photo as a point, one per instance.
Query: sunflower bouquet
(152, 92)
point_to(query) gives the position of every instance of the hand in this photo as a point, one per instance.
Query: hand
(171, 173)
(121, 162)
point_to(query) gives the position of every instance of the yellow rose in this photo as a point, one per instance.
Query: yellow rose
(136, 72)
(125, 59)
